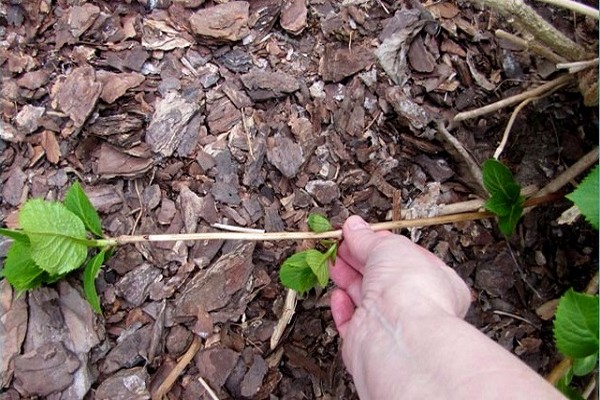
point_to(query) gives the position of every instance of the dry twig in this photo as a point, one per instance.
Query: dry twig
(532, 45)
(574, 6)
(184, 361)
(509, 101)
(543, 31)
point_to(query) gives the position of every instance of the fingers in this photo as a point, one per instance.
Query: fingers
(359, 240)
(347, 278)
(342, 310)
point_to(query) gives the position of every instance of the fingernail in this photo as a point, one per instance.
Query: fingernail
(356, 224)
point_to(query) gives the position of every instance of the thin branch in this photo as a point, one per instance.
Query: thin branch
(289, 308)
(574, 6)
(509, 101)
(577, 66)
(211, 393)
(543, 31)
(167, 384)
(582, 165)
(532, 45)
(509, 125)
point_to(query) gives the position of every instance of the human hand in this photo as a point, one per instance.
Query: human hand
(399, 310)
(385, 284)
(394, 275)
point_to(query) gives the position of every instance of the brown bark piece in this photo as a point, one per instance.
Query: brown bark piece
(293, 16)
(213, 288)
(338, 63)
(323, 191)
(34, 79)
(115, 85)
(50, 146)
(420, 58)
(215, 365)
(285, 155)
(227, 21)
(169, 122)
(77, 93)
(47, 369)
(111, 162)
(14, 187)
(13, 326)
(28, 118)
(262, 85)
(254, 377)
(133, 287)
(81, 18)
(127, 384)
(222, 116)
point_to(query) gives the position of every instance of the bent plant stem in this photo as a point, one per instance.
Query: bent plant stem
(335, 234)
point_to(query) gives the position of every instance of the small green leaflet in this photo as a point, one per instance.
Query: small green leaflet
(318, 223)
(585, 197)
(56, 236)
(79, 204)
(89, 277)
(15, 235)
(317, 262)
(576, 325)
(296, 274)
(505, 195)
(20, 270)
(584, 366)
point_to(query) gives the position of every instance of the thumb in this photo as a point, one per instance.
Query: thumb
(358, 242)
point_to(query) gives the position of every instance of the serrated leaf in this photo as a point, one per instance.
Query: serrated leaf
(576, 324)
(296, 274)
(15, 235)
(584, 366)
(585, 197)
(317, 262)
(318, 223)
(498, 180)
(20, 270)
(89, 278)
(56, 236)
(508, 223)
(79, 204)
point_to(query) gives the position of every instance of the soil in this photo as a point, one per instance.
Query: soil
(179, 114)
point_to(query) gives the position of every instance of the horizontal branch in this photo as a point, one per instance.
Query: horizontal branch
(336, 234)
(509, 101)
(574, 6)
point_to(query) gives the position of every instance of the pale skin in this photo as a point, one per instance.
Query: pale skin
(399, 310)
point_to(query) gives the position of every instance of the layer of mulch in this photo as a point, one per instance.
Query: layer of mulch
(179, 114)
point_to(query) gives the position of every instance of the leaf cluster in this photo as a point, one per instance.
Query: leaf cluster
(52, 241)
(505, 199)
(306, 269)
(576, 336)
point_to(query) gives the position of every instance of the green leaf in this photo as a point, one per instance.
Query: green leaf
(318, 223)
(79, 204)
(20, 270)
(568, 391)
(15, 235)
(317, 262)
(89, 278)
(576, 324)
(296, 274)
(508, 223)
(498, 180)
(585, 197)
(500, 205)
(56, 236)
(584, 366)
